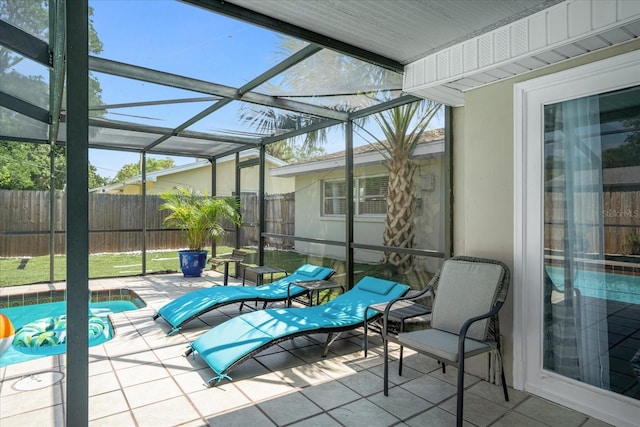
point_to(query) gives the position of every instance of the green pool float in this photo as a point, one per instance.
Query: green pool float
(49, 335)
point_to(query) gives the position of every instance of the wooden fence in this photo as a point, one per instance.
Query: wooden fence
(116, 222)
(620, 217)
(279, 219)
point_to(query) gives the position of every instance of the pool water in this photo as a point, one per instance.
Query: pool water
(609, 286)
(22, 315)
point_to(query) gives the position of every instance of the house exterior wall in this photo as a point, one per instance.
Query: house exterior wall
(200, 180)
(131, 189)
(484, 176)
(369, 229)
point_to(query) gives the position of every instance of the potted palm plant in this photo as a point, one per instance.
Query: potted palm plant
(200, 218)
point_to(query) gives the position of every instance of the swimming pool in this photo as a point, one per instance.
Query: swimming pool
(29, 309)
(603, 285)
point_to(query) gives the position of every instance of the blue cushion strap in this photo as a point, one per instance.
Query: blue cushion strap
(218, 378)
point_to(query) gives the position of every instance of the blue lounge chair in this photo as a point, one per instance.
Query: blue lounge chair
(194, 304)
(240, 338)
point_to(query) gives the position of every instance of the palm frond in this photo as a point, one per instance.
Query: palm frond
(402, 127)
(199, 217)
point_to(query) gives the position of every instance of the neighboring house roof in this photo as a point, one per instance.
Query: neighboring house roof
(153, 176)
(431, 144)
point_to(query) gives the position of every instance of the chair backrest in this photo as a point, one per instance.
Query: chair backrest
(238, 255)
(469, 287)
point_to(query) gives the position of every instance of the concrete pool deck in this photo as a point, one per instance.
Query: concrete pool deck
(140, 378)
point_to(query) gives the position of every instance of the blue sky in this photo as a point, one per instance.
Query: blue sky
(177, 38)
(171, 36)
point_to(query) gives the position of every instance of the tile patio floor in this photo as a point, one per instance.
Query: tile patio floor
(140, 378)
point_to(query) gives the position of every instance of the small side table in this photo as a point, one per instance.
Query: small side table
(236, 256)
(260, 271)
(312, 286)
(400, 312)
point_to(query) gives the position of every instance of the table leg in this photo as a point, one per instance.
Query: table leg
(226, 274)
(259, 282)
(310, 295)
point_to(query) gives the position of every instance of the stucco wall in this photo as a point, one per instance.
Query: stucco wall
(483, 173)
(200, 180)
(369, 229)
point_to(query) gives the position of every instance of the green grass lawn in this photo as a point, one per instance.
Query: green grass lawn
(36, 269)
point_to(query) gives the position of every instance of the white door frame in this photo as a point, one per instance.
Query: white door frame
(529, 100)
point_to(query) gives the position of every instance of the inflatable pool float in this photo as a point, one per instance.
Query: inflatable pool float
(6, 333)
(48, 336)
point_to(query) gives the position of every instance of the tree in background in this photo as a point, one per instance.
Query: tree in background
(327, 78)
(402, 128)
(284, 150)
(133, 169)
(26, 166)
(627, 154)
(347, 84)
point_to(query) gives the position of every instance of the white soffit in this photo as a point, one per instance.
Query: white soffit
(563, 31)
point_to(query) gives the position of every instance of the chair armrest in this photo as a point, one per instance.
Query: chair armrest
(465, 327)
(410, 296)
(414, 296)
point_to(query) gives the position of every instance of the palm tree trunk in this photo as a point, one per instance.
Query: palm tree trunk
(399, 230)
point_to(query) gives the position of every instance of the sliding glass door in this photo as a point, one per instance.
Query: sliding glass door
(591, 274)
(578, 238)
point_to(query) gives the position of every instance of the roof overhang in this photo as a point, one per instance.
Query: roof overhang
(422, 151)
(567, 30)
(450, 47)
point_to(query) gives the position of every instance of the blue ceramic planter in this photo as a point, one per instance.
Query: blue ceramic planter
(192, 262)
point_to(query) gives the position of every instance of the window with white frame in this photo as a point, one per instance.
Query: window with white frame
(370, 194)
(334, 201)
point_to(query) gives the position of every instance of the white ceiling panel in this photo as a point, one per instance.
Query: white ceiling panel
(403, 30)
(565, 30)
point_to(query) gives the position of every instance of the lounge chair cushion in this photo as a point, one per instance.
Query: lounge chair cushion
(194, 303)
(377, 286)
(243, 334)
(309, 270)
(477, 282)
(239, 337)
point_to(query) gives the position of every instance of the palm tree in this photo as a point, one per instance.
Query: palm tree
(402, 128)
(199, 217)
(327, 78)
(328, 73)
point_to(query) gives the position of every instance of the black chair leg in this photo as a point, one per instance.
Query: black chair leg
(504, 387)
(459, 404)
(504, 382)
(386, 366)
(366, 339)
